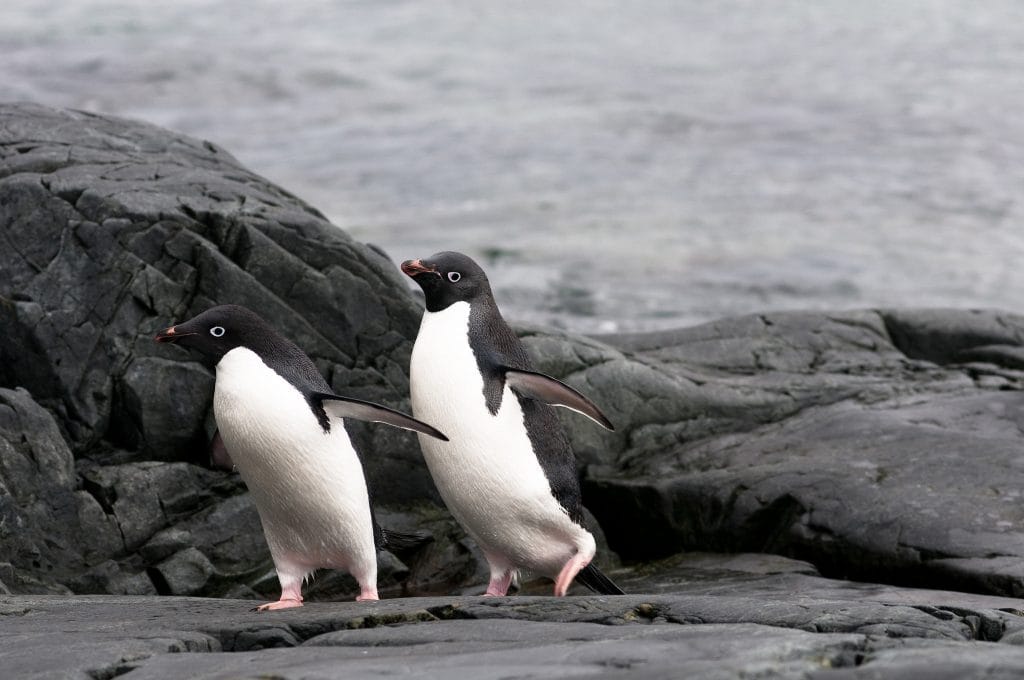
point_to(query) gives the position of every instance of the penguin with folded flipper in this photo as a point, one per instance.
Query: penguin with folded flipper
(285, 433)
(507, 473)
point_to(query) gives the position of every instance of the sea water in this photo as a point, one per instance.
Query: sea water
(614, 165)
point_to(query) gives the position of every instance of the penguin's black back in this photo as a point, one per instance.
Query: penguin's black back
(294, 365)
(496, 348)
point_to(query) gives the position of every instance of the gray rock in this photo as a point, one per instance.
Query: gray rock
(230, 534)
(43, 518)
(111, 577)
(6, 574)
(743, 625)
(449, 562)
(184, 573)
(159, 428)
(165, 543)
(872, 444)
(111, 230)
(45, 459)
(149, 496)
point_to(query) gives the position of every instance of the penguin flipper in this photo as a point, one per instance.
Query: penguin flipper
(594, 578)
(554, 392)
(347, 407)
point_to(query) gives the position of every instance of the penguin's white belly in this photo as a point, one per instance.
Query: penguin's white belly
(487, 473)
(308, 485)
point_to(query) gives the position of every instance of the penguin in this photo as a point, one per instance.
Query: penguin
(507, 474)
(285, 433)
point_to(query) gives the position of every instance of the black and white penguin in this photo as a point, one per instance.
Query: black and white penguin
(507, 473)
(284, 431)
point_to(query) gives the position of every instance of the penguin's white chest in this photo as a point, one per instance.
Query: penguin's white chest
(487, 473)
(308, 485)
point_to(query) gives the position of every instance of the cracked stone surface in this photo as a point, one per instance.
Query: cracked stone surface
(879, 445)
(713, 623)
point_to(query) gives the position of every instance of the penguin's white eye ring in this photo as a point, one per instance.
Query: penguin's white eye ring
(217, 331)
(454, 277)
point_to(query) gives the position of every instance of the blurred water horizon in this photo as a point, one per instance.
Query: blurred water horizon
(614, 166)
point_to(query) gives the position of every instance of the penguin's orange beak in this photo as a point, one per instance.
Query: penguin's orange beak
(414, 268)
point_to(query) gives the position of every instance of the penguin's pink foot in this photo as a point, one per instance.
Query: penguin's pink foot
(367, 595)
(498, 587)
(568, 573)
(280, 604)
(291, 594)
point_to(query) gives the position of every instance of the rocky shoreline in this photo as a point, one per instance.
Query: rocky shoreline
(878, 445)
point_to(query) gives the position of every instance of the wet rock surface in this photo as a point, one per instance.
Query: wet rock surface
(879, 445)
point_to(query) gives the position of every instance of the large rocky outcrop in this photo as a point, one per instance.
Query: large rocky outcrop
(879, 445)
(113, 229)
(110, 230)
(882, 445)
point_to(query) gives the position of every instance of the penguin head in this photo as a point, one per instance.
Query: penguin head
(447, 278)
(218, 330)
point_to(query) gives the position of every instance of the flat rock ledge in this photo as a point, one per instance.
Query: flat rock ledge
(783, 625)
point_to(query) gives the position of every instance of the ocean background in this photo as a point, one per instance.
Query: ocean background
(614, 166)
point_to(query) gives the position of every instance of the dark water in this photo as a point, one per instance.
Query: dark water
(616, 165)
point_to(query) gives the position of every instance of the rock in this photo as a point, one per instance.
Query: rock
(6, 574)
(451, 561)
(45, 459)
(43, 518)
(149, 496)
(230, 533)
(242, 593)
(111, 577)
(738, 624)
(157, 427)
(867, 443)
(165, 543)
(111, 230)
(184, 573)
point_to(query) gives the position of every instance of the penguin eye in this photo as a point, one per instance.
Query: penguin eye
(217, 331)
(454, 277)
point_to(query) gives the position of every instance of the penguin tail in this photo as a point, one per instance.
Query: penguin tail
(594, 578)
(402, 543)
